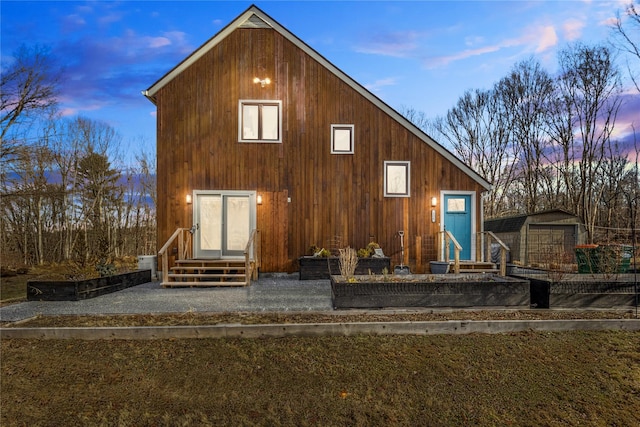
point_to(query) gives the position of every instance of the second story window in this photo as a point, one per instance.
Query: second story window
(260, 121)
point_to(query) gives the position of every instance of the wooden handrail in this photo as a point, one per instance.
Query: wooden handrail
(164, 248)
(448, 238)
(184, 248)
(503, 251)
(252, 252)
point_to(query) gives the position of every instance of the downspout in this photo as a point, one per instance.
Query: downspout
(483, 195)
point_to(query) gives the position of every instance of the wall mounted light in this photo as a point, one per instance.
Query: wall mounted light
(259, 199)
(188, 199)
(434, 202)
(263, 82)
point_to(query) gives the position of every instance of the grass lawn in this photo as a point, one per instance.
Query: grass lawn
(14, 288)
(524, 379)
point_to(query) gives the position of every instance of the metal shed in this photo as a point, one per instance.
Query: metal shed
(539, 238)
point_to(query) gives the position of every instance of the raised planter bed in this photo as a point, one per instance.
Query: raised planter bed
(316, 268)
(75, 290)
(616, 291)
(430, 290)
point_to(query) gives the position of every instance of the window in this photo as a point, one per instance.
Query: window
(396, 179)
(341, 139)
(456, 205)
(259, 121)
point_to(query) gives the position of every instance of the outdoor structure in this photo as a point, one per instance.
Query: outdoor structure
(539, 238)
(265, 148)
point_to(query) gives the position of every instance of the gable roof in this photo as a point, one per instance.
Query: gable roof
(253, 17)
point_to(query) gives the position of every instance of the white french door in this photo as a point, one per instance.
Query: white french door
(223, 221)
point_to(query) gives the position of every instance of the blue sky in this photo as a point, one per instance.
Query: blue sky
(412, 54)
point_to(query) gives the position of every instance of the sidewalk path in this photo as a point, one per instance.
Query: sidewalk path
(268, 294)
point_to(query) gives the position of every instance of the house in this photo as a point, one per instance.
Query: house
(539, 238)
(258, 131)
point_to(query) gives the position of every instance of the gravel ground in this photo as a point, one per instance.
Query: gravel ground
(248, 318)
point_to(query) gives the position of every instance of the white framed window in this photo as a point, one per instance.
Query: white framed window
(397, 177)
(259, 121)
(342, 139)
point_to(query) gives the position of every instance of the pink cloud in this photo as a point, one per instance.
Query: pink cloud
(155, 42)
(535, 38)
(547, 38)
(572, 29)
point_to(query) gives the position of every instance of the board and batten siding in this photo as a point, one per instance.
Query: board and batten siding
(310, 196)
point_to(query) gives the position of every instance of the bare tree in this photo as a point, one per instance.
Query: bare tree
(626, 31)
(418, 118)
(28, 86)
(585, 110)
(477, 130)
(525, 94)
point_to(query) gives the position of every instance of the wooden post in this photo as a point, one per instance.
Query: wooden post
(181, 244)
(503, 261)
(447, 247)
(165, 268)
(419, 255)
(456, 261)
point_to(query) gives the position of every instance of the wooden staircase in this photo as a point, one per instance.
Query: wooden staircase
(180, 269)
(207, 272)
(446, 240)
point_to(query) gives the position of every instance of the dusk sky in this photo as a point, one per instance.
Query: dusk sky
(412, 54)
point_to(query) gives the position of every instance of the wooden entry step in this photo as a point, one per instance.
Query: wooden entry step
(207, 272)
(475, 267)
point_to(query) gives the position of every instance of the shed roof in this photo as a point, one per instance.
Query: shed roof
(254, 17)
(515, 223)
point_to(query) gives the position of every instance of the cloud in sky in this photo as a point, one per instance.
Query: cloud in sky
(379, 84)
(535, 38)
(399, 44)
(572, 29)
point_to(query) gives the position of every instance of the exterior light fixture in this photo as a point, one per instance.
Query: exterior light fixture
(188, 199)
(259, 199)
(263, 82)
(434, 202)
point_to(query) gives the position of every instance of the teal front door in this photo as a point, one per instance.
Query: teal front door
(457, 220)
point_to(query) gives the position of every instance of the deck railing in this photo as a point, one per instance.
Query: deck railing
(181, 241)
(183, 250)
(485, 252)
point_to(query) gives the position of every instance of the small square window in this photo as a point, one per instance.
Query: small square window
(397, 177)
(259, 121)
(341, 139)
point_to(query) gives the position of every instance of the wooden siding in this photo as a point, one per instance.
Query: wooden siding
(330, 195)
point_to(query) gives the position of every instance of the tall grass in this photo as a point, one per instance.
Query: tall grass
(348, 261)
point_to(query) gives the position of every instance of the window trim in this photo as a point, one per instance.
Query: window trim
(404, 176)
(259, 103)
(351, 129)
